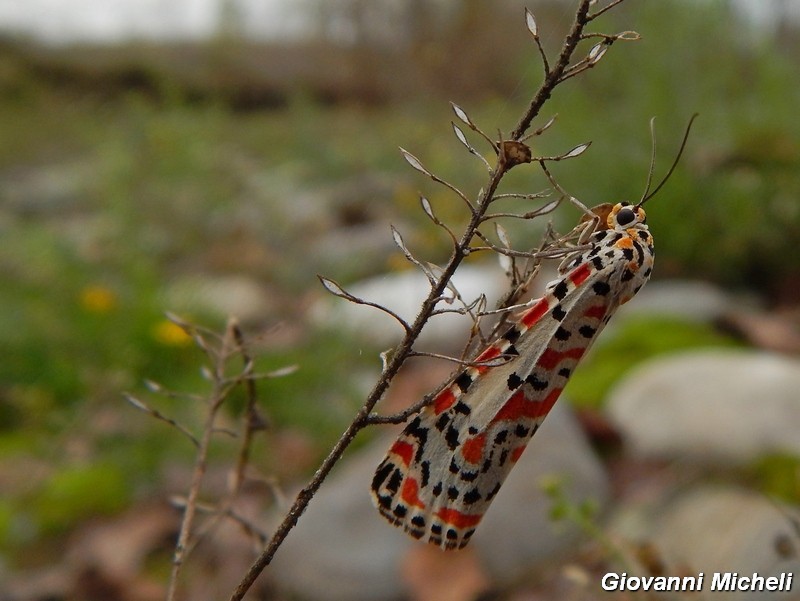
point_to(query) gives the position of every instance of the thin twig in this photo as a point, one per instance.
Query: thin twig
(216, 400)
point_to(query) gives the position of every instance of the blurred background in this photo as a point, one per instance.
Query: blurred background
(209, 157)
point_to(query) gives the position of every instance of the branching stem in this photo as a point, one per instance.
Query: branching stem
(478, 211)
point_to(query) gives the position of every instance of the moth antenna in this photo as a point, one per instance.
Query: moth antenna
(652, 160)
(647, 194)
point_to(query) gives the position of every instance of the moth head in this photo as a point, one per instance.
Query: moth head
(624, 215)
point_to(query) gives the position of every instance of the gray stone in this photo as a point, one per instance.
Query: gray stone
(342, 550)
(712, 529)
(403, 293)
(236, 296)
(685, 299)
(711, 406)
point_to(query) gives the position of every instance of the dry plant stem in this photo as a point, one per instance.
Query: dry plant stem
(363, 418)
(552, 77)
(215, 402)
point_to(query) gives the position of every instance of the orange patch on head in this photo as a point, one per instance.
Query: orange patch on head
(624, 242)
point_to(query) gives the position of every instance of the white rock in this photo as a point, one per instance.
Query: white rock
(690, 300)
(712, 529)
(403, 293)
(342, 550)
(233, 295)
(711, 405)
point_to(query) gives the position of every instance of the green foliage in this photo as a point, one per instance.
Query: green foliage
(779, 477)
(631, 342)
(81, 492)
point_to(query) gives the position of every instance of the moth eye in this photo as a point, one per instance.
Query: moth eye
(625, 216)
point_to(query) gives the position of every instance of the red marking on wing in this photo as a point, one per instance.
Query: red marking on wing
(516, 453)
(550, 358)
(487, 355)
(532, 315)
(455, 518)
(444, 400)
(404, 450)
(410, 493)
(519, 406)
(596, 312)
(579, 274)
(472, 449)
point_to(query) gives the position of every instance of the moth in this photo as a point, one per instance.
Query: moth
(443, 471)
(445, 468)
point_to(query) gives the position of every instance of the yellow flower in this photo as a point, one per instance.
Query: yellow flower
(98, 299)
(170, 334)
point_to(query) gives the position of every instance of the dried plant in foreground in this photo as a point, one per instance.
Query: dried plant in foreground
(223, 353)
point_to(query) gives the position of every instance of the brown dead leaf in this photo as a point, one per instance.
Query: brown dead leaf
(436, 575)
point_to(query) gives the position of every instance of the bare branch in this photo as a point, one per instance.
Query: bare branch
(417, 164)
(533, 28)
(611, 5)
(160, 416)
(337, 290)
(428, 210)
(462, 115)
(463, 139)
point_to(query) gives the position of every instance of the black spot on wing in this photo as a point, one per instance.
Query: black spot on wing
(535, 382)
(562, 334)
(469, 476)
(512, 334)
(425, 468)
(451, 437)
(490, 495)
(514, 381)
(393, 484)
(601, 288)
(560, 290)
(587, 331)
(462, 408)
(381, 474)
(463, 381)
(472, 496)
(558, 313)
